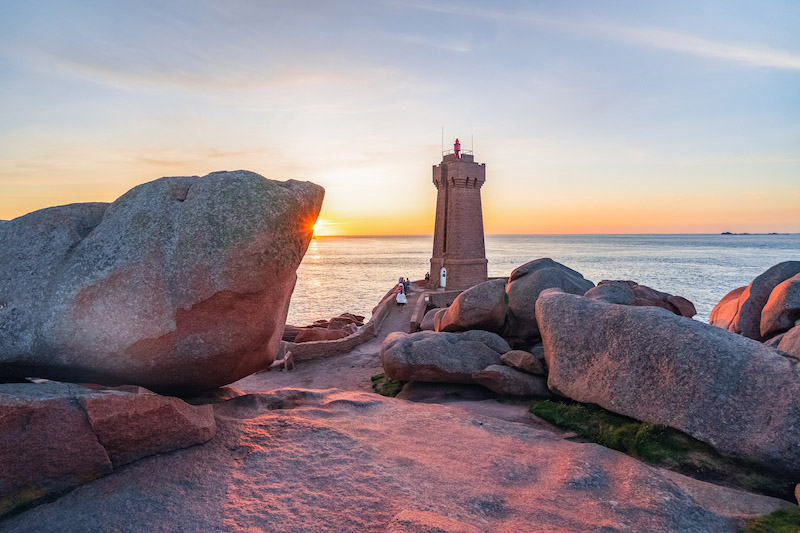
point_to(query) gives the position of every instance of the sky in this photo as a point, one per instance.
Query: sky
(591, 117)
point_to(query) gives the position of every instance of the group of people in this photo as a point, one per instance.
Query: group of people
(401, 294)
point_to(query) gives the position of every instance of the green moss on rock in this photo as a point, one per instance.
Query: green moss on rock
(386, 386)
(664, 446)
(781, 521)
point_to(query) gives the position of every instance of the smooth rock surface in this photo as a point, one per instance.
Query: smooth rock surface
(56, 436)
(626, 292)
(524, 361)
(427, 323)
(790, 342)
(506, 380)
(130, 427)
(725, 312)
(613, 292)
(782, 309)
(440, 357)
(523, 288)
(314, 334)
(480, 307)
(744, 317)
(294, 460)
(734, 393)
(181, 285)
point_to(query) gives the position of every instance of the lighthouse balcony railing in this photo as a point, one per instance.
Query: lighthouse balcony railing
(451, 151)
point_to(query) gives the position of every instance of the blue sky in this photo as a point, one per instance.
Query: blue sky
(591, 116)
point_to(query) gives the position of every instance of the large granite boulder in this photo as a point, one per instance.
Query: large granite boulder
(790, 341)
(613, 292)
(628, 292)
(782, 309)
(726, 311)
(56, 436)
(732, 392)
(428, 321)
(440, 357)
(523, 288)
(181, 285)
(480, 307)
(524, 361)
(740, 310)
(509, 381)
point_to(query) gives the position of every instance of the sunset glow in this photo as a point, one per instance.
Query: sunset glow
(590, 119)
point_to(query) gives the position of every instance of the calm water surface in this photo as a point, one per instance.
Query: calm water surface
(351, 274)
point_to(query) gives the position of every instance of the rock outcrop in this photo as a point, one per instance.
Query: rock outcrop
(506, 380)
(523, 361)
(631, 293)
(181, 285)
(782, 309)
(344, 324)
(428, 321)
(480, 307)
(350, 461)
(315, 334)
(56, 436)
(740, 310)
(790, 342)
(440, 357)
(734, 393)
(523, 288)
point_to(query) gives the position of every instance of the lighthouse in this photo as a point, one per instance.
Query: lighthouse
(459, 253)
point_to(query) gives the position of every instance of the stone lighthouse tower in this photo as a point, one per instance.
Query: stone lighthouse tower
(459, 254)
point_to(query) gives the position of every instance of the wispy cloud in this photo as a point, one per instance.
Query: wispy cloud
(750, 54)
(409, 38)
(746, 53)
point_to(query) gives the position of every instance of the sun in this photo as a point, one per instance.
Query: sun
(322, 228)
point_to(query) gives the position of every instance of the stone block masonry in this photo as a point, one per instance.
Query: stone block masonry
(458, 244)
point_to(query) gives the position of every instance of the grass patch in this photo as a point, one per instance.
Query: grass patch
(663, 446)
(781, 521)
(386, 386)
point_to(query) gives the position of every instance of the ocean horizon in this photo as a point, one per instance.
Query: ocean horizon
(351, 273)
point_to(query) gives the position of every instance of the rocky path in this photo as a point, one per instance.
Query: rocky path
(350, 371)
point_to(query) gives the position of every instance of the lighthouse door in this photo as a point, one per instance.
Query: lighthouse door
(443, 277)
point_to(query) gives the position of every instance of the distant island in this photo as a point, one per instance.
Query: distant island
(729, 233)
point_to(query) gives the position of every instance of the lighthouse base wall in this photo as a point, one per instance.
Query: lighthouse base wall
(461, 273)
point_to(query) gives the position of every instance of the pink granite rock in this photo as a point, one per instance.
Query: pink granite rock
(523, 288)
(131, 427)
(631, 293)
(56, 436)
(744, 317)
(790, 342)
(503, 379)
(427, 323)
(414, 521)
(613, 292)
(726, 311)
(480, 307)
(782, 308)
(732, 392)
(316, 334)
(296, 460)
(524, 361)
(440, 357)
(182, 285)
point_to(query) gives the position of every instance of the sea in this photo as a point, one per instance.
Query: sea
(351, 274)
